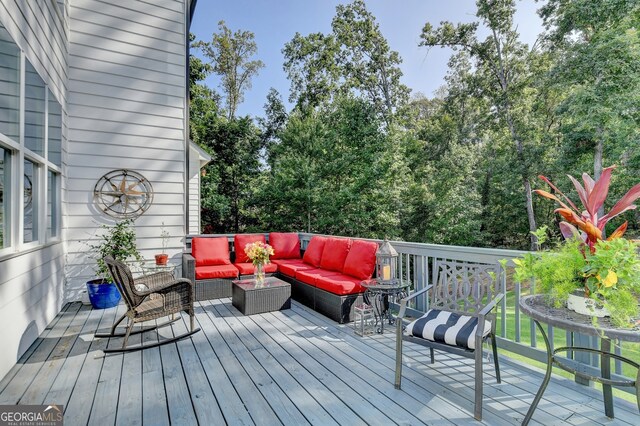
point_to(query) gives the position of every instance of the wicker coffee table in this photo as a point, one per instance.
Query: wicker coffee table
(251, 298)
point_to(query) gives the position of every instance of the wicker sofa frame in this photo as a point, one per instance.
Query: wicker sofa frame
(215, 288)
(336, 307)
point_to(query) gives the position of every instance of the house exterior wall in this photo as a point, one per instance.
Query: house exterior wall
(32, 278)
(118, 68)
(194, 205)
(127, 110)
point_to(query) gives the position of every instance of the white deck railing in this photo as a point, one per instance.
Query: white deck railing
(416, 264)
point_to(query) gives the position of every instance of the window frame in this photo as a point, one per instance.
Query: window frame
(46, 229)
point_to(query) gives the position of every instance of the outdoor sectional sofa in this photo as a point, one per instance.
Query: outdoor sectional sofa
(327, 278)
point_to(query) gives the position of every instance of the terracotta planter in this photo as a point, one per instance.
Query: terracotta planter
(586, 306)
(161, 259)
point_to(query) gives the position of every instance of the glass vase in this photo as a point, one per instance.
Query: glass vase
(259, 274)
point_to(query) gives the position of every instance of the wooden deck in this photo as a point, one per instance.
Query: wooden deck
(291, 367)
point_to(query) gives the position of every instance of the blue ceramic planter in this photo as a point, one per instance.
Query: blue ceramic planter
(102, 295)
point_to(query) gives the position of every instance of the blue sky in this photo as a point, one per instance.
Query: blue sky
(275, 22)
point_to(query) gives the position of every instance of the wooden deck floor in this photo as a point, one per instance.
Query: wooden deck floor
(292, 367)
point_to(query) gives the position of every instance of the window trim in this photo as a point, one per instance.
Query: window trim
(46, 231)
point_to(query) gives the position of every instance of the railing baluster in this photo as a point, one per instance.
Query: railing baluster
(517, 312)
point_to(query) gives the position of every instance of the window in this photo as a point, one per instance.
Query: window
(55, 131)
(34, 110)
(30, 201)
(5, 163)
(9, 87)
(52, 202)
(30, 152)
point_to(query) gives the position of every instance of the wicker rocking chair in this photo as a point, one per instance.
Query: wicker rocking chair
(148, 298)
(460, 319)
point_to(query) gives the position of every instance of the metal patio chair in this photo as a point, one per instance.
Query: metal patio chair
(460, 317)
(149, 297)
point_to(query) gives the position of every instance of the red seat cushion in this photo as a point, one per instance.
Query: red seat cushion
(216, 271)
(334, 254)
(289, 267)
(239, 243)
(286, 245)
(361, 260)
(339, 284)
(248, 268)
(313, 253)
(309, 276)
(210, 251)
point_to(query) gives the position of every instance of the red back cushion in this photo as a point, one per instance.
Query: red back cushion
(361, 260)
(285, 245)
(241, 240)
(334, 254)
(313, 253)
(210, 251)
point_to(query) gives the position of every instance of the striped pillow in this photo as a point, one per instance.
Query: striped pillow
(447, 327)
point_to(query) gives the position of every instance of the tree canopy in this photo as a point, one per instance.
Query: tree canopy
(359, 155)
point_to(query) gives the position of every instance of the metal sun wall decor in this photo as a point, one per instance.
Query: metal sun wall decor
(123, 194)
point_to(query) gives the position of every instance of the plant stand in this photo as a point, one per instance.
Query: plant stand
(535, 307)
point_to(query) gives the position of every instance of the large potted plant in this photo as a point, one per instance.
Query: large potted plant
(604, 270)
(118, 241)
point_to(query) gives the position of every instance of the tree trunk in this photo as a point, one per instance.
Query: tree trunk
(530, 215)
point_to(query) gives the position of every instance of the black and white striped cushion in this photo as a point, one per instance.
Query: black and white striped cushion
(447, 327)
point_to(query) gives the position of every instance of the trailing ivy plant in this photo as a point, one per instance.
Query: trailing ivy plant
(117, 241)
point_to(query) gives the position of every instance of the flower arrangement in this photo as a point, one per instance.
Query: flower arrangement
(606, 270)
(258, 252)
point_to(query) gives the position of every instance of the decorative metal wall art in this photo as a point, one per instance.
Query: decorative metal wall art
(123, 194)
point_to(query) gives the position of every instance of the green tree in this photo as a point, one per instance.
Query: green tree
(598, 46)
(334, 172)
(502, 61)
(355, 58)
(230, 54)
(230, 176)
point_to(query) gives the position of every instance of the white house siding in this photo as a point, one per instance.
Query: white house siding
(127, 109)
(194, 204)
(32, 282)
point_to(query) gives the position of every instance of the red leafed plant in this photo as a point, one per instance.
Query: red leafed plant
(592, 195)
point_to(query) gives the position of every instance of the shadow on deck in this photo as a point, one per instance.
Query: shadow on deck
(290, 367)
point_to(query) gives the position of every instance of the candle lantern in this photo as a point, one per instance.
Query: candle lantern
(386, 264)
(364, 320)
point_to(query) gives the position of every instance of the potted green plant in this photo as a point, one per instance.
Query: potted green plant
(118, 241)
(603, 271)
(162, 258)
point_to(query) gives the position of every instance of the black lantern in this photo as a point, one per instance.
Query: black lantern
(386, 264)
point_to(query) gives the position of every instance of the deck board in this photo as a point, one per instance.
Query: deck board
(287, 367)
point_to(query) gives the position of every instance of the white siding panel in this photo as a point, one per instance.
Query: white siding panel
(127, 73)
(32, 283)
(104, 31)
(90, 137)
(108, 82)
(123, 128)
(137, 16)
(146, 116)
(194, 204)
(108, 55)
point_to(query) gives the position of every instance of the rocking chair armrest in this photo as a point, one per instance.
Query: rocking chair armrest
(405, 301)
(491, 305)
(160, 287)
(155, 280)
